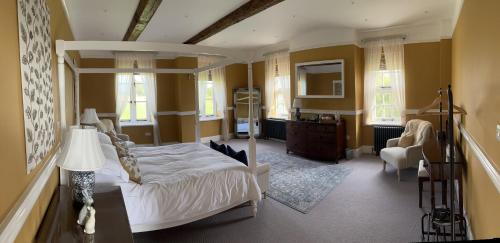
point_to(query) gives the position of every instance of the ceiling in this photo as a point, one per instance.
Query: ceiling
(175, 21)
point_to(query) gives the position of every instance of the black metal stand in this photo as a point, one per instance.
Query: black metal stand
(441, 222)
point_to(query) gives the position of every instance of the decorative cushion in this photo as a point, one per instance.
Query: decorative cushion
(113, 137)
(112, 166)
(132, 168)
(240, 156)
(406, 140)
(221, 148)
(101, 127)
(121, 149)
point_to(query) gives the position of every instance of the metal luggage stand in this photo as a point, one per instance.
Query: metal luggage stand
(436, 222)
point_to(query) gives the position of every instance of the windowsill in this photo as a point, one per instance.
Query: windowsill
(385, 124)
(210, 118)
(136, 124)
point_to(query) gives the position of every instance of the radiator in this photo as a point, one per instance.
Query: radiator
(383, 133)
(274, 128)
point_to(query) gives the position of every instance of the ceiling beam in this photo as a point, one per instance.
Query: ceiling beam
(143, 14)
(245, 11)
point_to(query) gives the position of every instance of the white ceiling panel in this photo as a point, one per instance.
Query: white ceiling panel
(100, 19)
(293, 17)
(176, 21)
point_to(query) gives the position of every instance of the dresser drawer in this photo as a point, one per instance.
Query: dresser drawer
(316, 137)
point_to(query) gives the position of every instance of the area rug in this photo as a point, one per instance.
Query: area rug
(301, 183)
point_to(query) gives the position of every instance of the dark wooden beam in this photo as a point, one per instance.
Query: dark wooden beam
(245, 11)
(143, 14)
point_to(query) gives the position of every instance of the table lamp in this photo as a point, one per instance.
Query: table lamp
(297, 104)
(89, 117)
(82, 155)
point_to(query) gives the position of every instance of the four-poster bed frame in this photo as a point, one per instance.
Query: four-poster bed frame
(231, 56)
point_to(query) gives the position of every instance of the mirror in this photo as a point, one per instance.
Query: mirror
(322, 79)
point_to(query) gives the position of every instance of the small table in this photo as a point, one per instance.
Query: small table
(59, 223)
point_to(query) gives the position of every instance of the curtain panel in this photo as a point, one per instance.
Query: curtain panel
(393, 53)
(218, 76)
(277, 84)
(123, 83)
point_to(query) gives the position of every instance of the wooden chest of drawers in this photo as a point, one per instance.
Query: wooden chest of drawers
(319, 141)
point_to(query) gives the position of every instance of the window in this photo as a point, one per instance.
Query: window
(136, 109)
(384, 83)
(207, 99)
(280, 97)
(386, 110)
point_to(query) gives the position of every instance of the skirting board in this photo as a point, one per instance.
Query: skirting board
(365, 149)
(15, 219)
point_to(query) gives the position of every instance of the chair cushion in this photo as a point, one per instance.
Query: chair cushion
(406, 140)
(422, 172)
(396, 156)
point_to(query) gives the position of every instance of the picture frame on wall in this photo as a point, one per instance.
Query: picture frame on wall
(35, 52)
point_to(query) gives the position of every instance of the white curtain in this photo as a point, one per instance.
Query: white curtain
(394, 60)
(147, 61)
(123, 82)
(218, 76)
(277, 86)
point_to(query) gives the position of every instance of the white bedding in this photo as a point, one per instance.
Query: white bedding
(183, 183)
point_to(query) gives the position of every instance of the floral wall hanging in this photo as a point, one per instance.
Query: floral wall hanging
(36, 73)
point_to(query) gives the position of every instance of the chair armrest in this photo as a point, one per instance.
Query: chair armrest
(124, 137)
(414, 155)
(393, 142)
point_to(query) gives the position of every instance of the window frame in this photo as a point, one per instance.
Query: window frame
(203, 116)
(383, 90)
(133, 121)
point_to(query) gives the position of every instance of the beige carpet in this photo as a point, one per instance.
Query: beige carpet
(368, 206)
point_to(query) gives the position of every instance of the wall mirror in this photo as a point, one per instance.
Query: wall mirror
(321, 79)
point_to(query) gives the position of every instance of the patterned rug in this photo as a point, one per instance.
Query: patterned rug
(301, 183)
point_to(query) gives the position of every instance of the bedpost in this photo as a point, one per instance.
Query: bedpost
(63, 175)
(252, 163)
(77, 96)
(197, 109)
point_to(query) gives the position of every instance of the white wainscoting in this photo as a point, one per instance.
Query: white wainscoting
(15, 219)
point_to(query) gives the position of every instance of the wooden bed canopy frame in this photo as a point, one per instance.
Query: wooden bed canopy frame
(231, 56)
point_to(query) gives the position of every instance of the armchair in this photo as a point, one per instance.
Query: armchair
(402, 158)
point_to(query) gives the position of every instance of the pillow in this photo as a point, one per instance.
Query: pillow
(101, 127)
(104, 139)
(221, 148)
(121, 149)
(112, 166)
(113, 137)
(240, 156)
(406, 140)
(131, 166)
(108, 180)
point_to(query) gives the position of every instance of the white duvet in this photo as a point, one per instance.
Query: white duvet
(183, 183)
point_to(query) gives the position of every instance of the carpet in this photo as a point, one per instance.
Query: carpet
(301, 183)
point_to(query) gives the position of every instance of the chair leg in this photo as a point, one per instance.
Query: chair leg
(384, 164)
(420, 187)
(399, 174)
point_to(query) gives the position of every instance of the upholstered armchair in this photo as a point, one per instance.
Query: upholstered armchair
(406, 157)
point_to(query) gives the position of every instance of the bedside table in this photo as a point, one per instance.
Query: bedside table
(59, 223)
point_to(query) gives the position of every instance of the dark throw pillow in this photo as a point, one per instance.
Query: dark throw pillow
(221, 148)
(240, 156)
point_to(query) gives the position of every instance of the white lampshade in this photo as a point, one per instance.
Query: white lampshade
(89, 116)
(82, 151)
(297, 103)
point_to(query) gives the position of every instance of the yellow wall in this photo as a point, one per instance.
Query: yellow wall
(476, 86)
(12, 145)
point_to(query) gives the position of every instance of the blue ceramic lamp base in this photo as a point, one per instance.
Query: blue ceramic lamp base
(82, 184)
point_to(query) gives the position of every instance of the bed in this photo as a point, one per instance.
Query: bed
(183, 183)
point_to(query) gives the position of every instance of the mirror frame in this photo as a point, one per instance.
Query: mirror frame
(297, 65)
